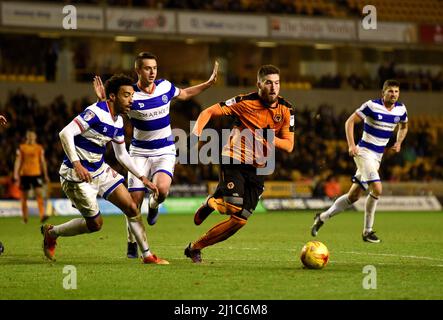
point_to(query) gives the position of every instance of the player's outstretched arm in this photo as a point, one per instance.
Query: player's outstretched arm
(3, 120)
(204, 117)
(67, 139)
(99, 88)
(195, 90)
(126, 161)
(285, 142)
(349, 130)
(401, 135)
(44, 166)
(17, 166)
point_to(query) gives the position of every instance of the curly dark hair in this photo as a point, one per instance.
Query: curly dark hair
(113, 84)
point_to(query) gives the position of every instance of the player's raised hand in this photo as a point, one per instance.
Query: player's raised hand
(99, 88)
(81, 172)
(214, 74)
(3, 120)
(151, 186)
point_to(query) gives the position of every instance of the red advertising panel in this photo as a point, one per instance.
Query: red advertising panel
(431, 33)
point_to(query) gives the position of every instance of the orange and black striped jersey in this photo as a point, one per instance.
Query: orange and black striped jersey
(30, 155)
(248, 141)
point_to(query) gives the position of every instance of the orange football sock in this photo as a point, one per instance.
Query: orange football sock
(220, 232)
(24, 209)
(41, 208)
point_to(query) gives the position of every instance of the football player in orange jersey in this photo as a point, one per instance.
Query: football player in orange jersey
(30, 171)
(259, 116)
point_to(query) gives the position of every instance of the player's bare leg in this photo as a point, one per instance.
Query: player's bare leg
(24, 204)
(218, 233)
(123, 200)
(163, 182)
(71, 228)
(204, 210)
(370, 206)
(132, 251)
(211, 203)
(340, 204)
(40, 204)
(138, 197)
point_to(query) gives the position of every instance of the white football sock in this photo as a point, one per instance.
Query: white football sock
(128, 231)
(70, 228)
(138, 230)
(370, 205)
(340, 204)
(153, 202)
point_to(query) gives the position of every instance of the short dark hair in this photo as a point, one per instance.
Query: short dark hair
(267, 69)
(390, 83)
(113, 84)
(144, 55)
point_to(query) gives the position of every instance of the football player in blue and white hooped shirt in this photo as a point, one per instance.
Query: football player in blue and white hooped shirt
(380, 117)
(153, 147)
(84, 174)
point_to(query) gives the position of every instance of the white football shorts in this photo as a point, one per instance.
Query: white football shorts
(83, 195)
(149, 166)
(367, 168)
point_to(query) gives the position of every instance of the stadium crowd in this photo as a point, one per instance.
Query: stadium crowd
(320, 153)
(40, 61)
(430, 11)
(41, 56)
(420, 80)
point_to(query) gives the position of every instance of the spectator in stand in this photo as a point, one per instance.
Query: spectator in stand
(332, 187)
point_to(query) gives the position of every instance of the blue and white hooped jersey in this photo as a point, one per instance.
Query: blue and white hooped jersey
(98, 127)
(379, 124)
(149, 116)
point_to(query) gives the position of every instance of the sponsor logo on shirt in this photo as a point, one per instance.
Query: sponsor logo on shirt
(88, 115)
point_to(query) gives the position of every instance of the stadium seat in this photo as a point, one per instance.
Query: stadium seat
(409, 11)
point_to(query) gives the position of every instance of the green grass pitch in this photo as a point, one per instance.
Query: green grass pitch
(261, 261)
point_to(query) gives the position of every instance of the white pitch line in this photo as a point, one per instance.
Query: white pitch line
(391, 255)
(346, 252)
(351, 252)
